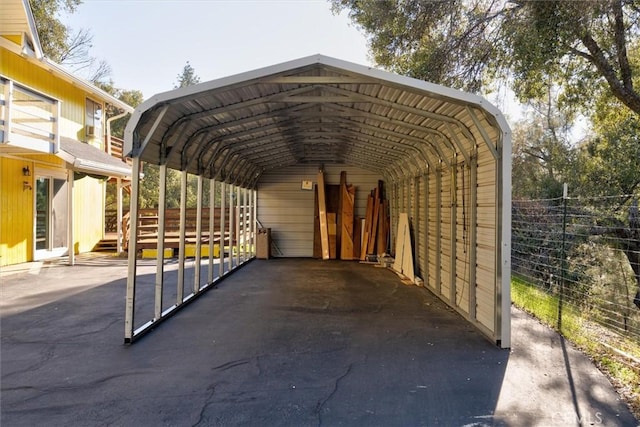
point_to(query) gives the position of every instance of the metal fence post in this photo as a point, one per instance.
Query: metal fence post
(563, 255)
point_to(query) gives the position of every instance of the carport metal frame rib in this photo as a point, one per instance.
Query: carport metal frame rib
(431, 144)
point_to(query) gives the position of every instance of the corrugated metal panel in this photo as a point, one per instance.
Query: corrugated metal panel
(463, 238)
(486, 239)
(394, 202)
(445, 234)
(420, 225)
(288, 210)
(434, 232)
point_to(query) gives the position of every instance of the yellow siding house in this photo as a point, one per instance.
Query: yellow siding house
(54, 153)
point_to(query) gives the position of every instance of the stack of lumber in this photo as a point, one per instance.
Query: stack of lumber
(338, 233)
(375, 229)
(334, 224)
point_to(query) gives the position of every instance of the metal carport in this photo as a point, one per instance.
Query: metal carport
(444, 155)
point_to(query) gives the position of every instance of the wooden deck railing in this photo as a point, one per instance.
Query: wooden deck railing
(148, 227)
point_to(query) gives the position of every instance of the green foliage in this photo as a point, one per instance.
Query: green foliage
(444, 42)
(468, 44)
(64, 45)
(130, 97)
(609, 162)
(543, 158)
(53, 34)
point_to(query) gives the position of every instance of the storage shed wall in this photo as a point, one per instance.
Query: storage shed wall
(288, 210)
(453, 214)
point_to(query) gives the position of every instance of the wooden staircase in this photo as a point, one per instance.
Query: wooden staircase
(108, 244)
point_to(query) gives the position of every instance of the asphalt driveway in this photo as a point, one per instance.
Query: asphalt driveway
(294, 342)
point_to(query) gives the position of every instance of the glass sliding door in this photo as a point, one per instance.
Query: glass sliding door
(43, 213)
(51, 222)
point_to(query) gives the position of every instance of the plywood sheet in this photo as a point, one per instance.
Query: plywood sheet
(403, 262)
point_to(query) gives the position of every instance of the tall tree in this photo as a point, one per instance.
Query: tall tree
(53, 34)
(62, 44)
(466, 43)
(187, 77)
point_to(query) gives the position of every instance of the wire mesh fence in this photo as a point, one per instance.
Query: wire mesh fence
(576, 264)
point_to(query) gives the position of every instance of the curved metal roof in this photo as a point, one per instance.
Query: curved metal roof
(312, 110)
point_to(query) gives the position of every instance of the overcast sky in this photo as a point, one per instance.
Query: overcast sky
(148, 42)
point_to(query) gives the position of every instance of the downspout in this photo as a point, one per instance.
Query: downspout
(119, 238)
(109, 120)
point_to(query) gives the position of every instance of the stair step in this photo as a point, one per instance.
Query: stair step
(106, 245)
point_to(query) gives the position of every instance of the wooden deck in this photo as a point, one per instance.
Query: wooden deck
(148, 228)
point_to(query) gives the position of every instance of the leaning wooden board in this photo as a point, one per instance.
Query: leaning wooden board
(403, 262)
(383, 228)
(322, 213)
(317, 246)
(371, 247)
(348, 193)
(366, 227)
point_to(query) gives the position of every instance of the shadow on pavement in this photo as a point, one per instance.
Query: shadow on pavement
(280, 342)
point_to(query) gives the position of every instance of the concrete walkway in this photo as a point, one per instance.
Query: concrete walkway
(281, 342)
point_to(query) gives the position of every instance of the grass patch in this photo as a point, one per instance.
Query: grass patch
(544, 306)
(586, 335)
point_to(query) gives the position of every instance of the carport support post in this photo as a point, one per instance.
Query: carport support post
(223, 198)
(162, 197)
(196, 275)
(231, 215)
(245, 209)
(119, 215)
(473, 202)
(438, 229)
(504, 221)
(70, 237)
(249, 222)
(254, 222)
(238, 210)
(181, 243)
(212, 230)
(133, 249)
(453, 219)
(416, 223)
(427, 236)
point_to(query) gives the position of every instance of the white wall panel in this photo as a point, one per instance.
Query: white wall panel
(445, 233)
(422, 226)
(288, 210)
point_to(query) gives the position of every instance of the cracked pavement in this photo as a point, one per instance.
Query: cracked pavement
(291, 342)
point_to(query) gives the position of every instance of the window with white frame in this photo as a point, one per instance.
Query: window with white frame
(93, 120)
